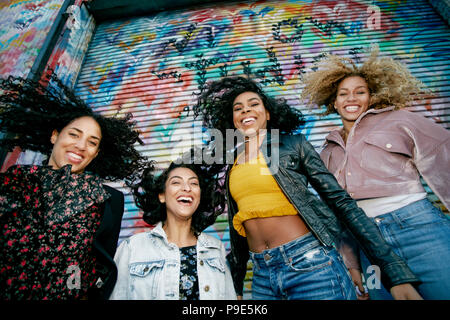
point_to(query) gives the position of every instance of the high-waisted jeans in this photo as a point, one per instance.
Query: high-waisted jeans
(300, 269)
(420, 234)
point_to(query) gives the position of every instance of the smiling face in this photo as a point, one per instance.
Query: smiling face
(249, 113)
(182, 193)
(352, 99)
(77, 144)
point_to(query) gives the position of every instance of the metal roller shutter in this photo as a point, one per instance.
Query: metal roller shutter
(152, 66)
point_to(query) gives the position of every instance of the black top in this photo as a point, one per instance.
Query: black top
(188, 274)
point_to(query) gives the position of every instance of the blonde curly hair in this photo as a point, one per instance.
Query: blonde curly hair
(390, 82)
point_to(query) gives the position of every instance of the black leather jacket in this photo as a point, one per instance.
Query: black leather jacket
(294, 163)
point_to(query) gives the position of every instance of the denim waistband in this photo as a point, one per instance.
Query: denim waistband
(424, 206)
(281, 253)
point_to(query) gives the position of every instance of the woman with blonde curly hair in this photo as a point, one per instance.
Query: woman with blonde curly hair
(380, 155)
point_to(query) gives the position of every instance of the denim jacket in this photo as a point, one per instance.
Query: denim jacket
(149, 268)
(295, 164)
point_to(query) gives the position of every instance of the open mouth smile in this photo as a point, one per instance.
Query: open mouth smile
(248, 121)
(75, 158)
(185, 200)
(351, 108)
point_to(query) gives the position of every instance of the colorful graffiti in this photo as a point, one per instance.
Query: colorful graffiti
(25, 24)
(68, 53)
(32, 21)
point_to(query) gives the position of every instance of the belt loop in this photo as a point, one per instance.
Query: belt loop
(397, 219)
(255, 262)
(283, 254)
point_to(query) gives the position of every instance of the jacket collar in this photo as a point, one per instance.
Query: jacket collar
(203, 243)
(270, 148)
(267, 141)
(335, 135)
(271, 144)
(159, 232)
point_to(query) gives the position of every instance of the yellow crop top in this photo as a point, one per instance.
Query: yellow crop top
(256, 193)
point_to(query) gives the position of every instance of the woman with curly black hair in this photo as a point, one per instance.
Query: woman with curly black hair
(288, 232)
(60, 223)
(175, 260)
(379, 157)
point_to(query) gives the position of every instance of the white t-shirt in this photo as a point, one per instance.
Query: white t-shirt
(378, 206)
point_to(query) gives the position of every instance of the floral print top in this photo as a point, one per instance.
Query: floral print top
(48, 219)
(188, 274)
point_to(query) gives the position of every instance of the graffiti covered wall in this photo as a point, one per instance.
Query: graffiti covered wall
(69, 51)
(153, 66)
(24, 27)
(17, 57)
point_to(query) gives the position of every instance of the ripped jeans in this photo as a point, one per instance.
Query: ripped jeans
(301, 269)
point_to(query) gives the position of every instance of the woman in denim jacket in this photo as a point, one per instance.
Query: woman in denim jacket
(175, 260)
(380, 155)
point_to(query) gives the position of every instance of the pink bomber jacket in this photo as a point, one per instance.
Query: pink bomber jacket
(386, 153)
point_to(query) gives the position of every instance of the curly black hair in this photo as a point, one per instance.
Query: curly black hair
(215, 104)
(212, 199)
(31, 110)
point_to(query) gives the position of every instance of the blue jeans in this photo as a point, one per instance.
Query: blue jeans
(300, 269)
(420, 234)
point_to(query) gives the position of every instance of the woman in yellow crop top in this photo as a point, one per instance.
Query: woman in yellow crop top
(258, 197)
(289, 234)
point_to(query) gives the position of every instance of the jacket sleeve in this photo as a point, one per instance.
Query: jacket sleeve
(346, 245)
(431, 153)
(108, 234)
(106, 239)
(121, 288)
(237, 260)
(365, 232)
(348, 249)
(238, 257)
